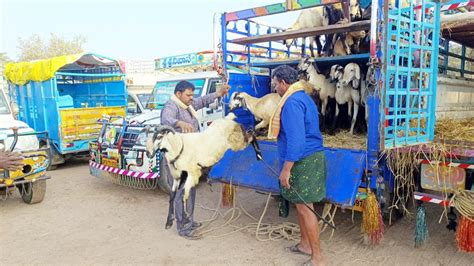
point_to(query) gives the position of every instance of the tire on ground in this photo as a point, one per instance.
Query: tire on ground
(34, 192)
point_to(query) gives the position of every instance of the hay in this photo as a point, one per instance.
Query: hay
(341, 139)
(345, 140)
(455, 130)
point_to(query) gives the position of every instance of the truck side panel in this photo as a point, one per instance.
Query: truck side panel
(344, 171)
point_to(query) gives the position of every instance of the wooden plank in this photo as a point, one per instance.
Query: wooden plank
(293, 34)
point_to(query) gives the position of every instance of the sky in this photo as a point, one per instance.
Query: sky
(126, 29)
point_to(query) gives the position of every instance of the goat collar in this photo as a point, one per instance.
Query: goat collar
(172, 161)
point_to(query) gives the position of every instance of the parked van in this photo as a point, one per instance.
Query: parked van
(204, 83)
(137, 101)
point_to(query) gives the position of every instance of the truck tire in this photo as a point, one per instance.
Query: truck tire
(166, 180)
(34, 192)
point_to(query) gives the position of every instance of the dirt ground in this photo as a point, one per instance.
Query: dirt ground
(86, 220)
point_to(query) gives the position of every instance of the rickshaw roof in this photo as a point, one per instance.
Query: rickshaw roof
(21, 73)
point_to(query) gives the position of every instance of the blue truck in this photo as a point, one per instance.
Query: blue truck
(65, 96)
(403, 51)
(403, 57)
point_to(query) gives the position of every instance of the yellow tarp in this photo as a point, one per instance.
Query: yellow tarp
(39, 70)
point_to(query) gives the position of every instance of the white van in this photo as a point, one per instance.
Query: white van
(137, 100)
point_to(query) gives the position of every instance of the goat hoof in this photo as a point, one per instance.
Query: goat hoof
(169, 224)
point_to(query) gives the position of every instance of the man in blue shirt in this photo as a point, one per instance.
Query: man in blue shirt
(302, 162)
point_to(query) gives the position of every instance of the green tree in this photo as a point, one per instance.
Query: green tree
(35, 47)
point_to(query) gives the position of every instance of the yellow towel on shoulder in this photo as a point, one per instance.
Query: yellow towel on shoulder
(274, 126)
(190, 108)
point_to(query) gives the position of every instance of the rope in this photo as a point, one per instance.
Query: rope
(262, 231)
(463, 201)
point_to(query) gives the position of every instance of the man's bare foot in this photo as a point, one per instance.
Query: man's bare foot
(314, 262)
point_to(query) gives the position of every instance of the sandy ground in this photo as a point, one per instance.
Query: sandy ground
(86, 220)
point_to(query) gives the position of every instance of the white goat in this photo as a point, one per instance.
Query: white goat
(262, 108)
(320, 83)
(321, 17)
(347, 83)
(187, 157)
(309, 18)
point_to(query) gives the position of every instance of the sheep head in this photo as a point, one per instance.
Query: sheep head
(155, 139)
(355, 10)
(307, 65)
(336, 73)
(236, 101)
(351, 74)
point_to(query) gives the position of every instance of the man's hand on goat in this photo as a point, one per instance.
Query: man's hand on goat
(185, 127)
(223, 90)
(11, 161)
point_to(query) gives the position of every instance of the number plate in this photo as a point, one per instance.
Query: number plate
(110, 162)
(360, 199)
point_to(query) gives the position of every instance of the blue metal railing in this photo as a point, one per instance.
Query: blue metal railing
(411, 74)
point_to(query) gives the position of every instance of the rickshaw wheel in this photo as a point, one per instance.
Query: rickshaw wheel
(34, 192)
(166, 180)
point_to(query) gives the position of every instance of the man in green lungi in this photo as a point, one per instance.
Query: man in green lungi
(302, 162)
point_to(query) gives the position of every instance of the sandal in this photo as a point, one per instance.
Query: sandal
(296, 249)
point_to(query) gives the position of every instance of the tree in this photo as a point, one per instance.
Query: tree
(34, 47)
(3, 59)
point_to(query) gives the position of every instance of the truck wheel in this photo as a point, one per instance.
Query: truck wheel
(166, 180)
(34, 192)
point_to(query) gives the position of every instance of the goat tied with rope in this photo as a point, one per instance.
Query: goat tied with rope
(188, 154)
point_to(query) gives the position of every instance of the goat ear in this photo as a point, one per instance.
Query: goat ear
(356, 81)
(244, 103)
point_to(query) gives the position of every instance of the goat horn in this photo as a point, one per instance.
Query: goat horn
(165, 128)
